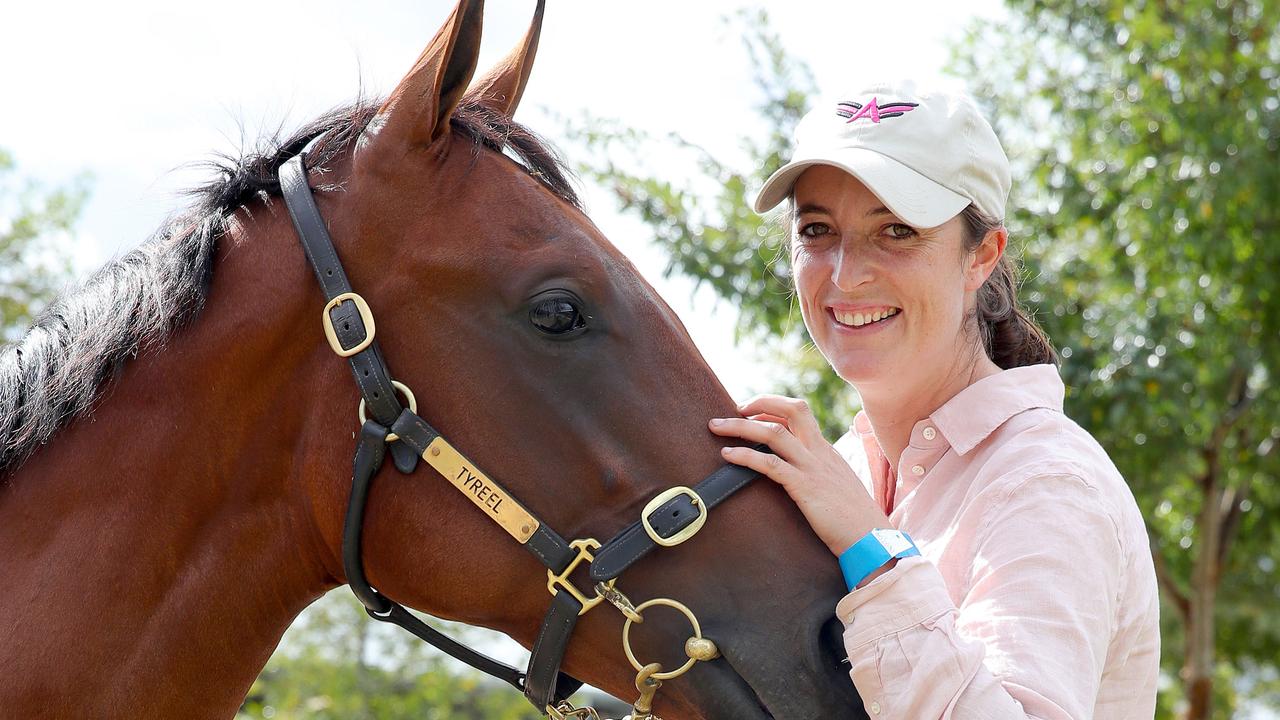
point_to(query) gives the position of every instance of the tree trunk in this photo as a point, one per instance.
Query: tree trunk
(1219, 516)
(1197, 672)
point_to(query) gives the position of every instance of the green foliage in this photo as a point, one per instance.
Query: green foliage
(1147, 207)
(700, 217)
(336, 662)
(33, 265)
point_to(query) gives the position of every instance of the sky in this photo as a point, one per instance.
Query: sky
(135, 94)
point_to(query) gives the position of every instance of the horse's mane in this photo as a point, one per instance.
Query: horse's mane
(82, 339)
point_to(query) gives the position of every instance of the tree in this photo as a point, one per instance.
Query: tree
(1146, 193)
(1149, 206)
(33, 265)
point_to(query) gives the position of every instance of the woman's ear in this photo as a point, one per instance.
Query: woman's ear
(982, 261)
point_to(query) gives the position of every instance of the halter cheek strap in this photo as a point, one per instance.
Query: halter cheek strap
(673, 517)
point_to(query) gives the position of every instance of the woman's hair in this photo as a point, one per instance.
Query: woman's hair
(1011, 337)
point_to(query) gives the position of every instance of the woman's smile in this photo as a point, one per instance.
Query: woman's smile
(862, 321)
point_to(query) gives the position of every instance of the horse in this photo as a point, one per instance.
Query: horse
(175, 435)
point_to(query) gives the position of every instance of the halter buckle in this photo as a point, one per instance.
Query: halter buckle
(683, 534)
(366, 317)
(584, 548)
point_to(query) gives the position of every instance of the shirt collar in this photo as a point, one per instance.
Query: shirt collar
(975, 412)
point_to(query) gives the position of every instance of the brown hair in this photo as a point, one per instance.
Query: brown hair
(1009, 334)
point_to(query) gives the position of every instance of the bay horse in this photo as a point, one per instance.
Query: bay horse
(175, 435)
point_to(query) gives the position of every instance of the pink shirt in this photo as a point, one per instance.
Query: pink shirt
(1035, 593)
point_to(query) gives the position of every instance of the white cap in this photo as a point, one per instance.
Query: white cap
(926, 154)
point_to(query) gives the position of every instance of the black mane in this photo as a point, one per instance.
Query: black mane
(63, 362)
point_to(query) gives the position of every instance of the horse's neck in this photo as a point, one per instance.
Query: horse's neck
(154, 552)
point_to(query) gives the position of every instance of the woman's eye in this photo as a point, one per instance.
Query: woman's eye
(813, 230)
(556, 316)
(898, 230)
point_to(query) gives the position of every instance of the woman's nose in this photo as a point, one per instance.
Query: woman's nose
(851, 268)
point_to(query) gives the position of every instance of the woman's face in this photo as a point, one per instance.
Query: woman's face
(854, 261)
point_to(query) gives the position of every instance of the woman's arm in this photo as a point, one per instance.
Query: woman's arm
(1031, 633)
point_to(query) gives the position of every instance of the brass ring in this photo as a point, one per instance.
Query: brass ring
(626, 637)
(408, 394)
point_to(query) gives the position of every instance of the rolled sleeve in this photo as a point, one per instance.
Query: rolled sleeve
(1030, 636)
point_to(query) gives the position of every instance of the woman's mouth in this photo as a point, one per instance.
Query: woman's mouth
(864, 319)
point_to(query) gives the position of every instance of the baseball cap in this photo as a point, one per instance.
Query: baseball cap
(925, 153)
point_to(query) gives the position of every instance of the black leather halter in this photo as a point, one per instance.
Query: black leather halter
(670, 519)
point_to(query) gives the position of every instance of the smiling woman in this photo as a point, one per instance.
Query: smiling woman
(996, 561)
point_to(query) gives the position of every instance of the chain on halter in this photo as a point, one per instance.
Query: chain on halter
(649, 677)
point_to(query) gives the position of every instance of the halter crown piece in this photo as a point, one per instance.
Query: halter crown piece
(671, 518)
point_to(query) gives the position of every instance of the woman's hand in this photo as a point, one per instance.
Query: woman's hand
(817, 478)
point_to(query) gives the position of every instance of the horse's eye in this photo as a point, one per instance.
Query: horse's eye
(557, 316)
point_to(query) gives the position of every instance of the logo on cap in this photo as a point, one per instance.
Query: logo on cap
(872, 110)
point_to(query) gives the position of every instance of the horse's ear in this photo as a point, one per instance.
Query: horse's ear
(417, 112)
(502, 86)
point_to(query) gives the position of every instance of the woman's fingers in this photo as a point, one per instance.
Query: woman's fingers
(765, 417)
(768, 464)
(795, 412)
(773, 434)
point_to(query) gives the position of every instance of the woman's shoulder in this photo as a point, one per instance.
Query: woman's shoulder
(1046, 441)
(1043, 451)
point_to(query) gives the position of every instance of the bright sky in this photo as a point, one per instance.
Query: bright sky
(132, 92)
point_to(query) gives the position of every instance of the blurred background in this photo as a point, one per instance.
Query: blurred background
(1144, 138)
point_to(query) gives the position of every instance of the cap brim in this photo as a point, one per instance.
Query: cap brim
(914, 198)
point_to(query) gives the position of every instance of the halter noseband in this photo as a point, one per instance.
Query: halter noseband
(671, 518)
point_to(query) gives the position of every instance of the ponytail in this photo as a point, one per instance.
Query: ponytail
(1009, 335)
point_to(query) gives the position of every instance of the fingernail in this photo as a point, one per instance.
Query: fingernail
(726, 450)
(717, 421)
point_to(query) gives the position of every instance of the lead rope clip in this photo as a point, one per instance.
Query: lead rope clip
(648, 686)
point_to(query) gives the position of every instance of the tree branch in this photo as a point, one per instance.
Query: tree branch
(1233, 507)
(1238, 402)
(1172, 591)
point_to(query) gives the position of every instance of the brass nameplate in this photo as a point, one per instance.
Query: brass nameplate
(487, 495)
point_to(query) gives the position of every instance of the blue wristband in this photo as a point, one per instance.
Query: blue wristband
(872, 552)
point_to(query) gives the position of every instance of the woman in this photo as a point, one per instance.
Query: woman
(997, 563)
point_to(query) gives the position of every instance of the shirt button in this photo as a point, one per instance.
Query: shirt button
(917, 470)
(930, 433)
(875, 707)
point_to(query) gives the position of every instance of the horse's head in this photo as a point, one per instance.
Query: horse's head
(538, 350)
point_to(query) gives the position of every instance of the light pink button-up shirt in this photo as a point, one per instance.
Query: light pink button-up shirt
(1035, 595)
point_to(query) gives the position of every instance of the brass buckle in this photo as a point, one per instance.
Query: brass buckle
(408, 395)
(689, 531)
(366, 317)
(584, 548)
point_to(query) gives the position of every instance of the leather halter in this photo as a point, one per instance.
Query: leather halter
(671, 518)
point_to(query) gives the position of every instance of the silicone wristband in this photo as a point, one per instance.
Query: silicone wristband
(872, 552)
